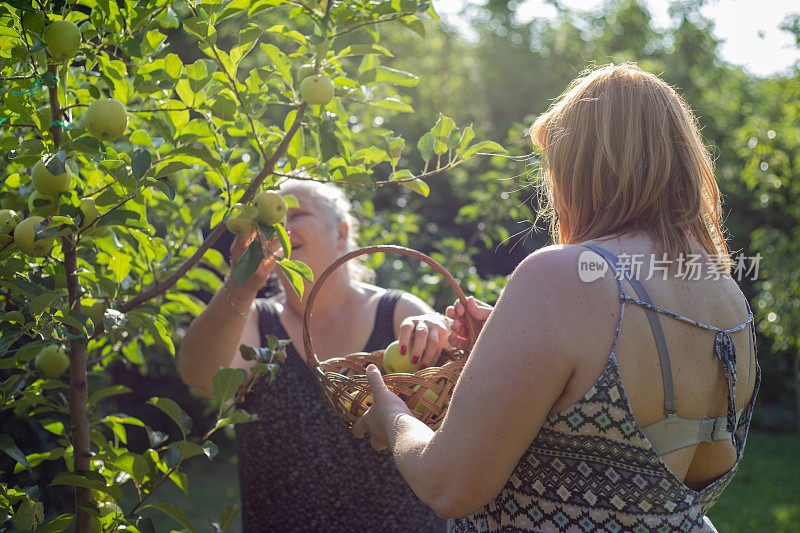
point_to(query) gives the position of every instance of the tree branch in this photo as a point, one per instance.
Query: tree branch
(161, 287)
(362, 24)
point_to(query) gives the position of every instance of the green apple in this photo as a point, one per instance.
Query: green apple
(24, 235)
(395, 363)
(48, 209)
(106, 119)
(46, 182)
(8, 221)
(52, 361)
(305, 71)
(317, 89)
(241, 219)
(366, 403)
(271, 207)
(63, 39)
(420, 407)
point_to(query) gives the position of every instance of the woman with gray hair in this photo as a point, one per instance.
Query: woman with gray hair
(299, 470)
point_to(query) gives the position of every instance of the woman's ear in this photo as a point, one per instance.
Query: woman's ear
(342, 231)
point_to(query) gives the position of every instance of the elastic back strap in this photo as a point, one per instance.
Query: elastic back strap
(675, 432)
(655, 325)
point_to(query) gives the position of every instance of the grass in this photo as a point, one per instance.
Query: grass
(764, 495)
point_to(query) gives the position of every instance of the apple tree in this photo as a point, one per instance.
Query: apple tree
(132, 134)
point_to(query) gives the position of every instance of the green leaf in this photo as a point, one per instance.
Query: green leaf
(140, 137)
(89, 480)
(189, 449)
(119, 217)
(140, 163)
(395, 104)
(177, 514)
(173, 66)
(8, 446)
(201, 30)
(466, 138)
(417, 186)
(481, 146)
(280, 60)
(384, 74)
(59, 523)
(106, 392)
(248, 263)
(174, 411)
(425, 146)
(443, 127)
(28, 515)
(120, 265)
(226, 382)
(283, 237)
(292, 34)
(247, 41)
(364, 49)
(42, 302)
(163, 186)
(296, 271)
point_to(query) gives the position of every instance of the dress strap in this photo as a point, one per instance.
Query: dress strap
(383, 330)
(655, 325)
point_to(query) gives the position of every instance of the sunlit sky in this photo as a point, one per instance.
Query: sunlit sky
(749, 29)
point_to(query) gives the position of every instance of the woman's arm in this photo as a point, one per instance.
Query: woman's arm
(517, 370)
(213, 338)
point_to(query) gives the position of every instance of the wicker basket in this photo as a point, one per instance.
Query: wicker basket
(343, 379)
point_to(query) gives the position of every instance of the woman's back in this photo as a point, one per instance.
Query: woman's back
(700, 386)
(592, 460)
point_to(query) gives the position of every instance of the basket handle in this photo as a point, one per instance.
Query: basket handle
(400, 250)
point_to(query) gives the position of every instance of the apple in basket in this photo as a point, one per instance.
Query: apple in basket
(395, 363)
(366, 403)
(421, 408)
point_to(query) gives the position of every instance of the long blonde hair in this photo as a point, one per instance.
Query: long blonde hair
(623, 153)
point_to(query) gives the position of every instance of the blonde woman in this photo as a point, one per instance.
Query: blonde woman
(298, 470)
(598, 396)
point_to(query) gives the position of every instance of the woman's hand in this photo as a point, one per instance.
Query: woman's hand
(376, 421)
(272, 250)
(478, 310)
(427, 335)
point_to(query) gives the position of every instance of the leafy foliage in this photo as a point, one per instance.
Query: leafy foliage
(213, 116)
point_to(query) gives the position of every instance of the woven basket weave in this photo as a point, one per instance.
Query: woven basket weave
(343, 379)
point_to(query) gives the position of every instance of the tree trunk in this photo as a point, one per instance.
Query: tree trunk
(78, 397)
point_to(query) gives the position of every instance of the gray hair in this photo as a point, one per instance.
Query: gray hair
(339, 209)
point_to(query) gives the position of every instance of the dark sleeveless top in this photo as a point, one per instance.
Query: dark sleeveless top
(591, 467)
(301, 470)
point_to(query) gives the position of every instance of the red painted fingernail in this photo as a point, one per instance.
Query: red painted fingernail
(289, 232)
(415, 359)
(403, 350)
